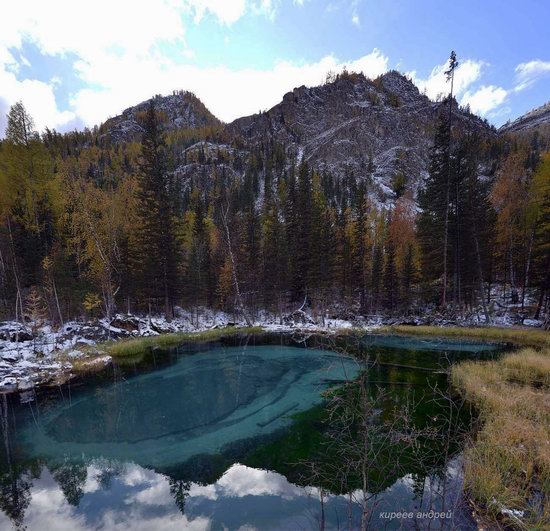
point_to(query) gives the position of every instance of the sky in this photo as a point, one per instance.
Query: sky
(75, 63)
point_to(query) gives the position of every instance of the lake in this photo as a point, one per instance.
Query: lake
(268, 431)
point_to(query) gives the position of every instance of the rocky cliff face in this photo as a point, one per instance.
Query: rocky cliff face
(180, 110)
(538, 118)
(374, 130)
(380, 131)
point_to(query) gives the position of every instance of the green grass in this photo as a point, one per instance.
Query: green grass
(136, 346)
(520, 336)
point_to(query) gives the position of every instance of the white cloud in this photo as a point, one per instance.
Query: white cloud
(355, 20)
(118, 55)
(227, 93)
(123, 27)
(226, 11)
(528, 73)
(436, 84)
(86, 28)
(485, 99)
(38, 97)
(240, 480)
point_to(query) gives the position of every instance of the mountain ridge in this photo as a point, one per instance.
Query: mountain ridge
(179, 110)
(376, 130)
(533, 119)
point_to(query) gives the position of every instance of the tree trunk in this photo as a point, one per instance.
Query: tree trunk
(480, 275)
(54, 289)
(541, 301)
(18, 298)
(526, 270)
(234, 269)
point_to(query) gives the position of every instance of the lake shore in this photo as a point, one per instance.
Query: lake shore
(511, 394)
(41, 355)
(507, 464)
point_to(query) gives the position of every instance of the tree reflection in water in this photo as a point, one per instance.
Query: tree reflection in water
(387, 439)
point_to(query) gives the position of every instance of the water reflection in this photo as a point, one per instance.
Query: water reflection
(243, 498)
(239, 436)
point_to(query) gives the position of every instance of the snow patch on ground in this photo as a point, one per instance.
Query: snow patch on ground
(41, 355)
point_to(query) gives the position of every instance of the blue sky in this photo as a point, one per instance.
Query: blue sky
(76, 63)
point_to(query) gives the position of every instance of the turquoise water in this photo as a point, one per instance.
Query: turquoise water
(195, 406)
(232, 435)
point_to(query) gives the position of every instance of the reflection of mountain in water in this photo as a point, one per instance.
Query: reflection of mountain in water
(75, 460)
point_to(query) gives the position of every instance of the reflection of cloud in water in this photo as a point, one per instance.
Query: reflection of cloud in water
(127, 505)
(241, 481)
(141, 499)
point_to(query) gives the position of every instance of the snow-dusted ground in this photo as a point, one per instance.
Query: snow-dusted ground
(40, 355)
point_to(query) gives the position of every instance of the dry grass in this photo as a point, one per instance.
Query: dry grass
(508, 465)
(136, 347)
(533, 337)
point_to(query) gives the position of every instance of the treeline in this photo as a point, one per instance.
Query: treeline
(91, 228)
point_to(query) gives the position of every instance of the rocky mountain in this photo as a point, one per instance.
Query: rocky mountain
(380, 131)
(538, 118)
(180, 110)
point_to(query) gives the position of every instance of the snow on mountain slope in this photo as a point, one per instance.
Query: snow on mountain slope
(356, 127)
(539, 117)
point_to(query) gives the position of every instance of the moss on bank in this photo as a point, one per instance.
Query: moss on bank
(520, 336)
(135, 346)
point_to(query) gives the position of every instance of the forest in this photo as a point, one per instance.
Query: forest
(90, 227)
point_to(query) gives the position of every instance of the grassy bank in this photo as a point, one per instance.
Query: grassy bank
(507, 466)
(135, 346)
(520, 336)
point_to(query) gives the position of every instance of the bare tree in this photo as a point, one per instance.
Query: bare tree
(238, 296)
(450, 75)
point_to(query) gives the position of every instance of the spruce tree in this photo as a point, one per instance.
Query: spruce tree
(156, 248)
(433, 201)
(408, 272)
(199, 272)
(390, 278)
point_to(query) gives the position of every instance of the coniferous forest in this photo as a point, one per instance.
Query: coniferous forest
(90, 226)
(333, 313)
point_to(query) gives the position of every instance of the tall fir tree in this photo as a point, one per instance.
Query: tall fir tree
(156, 248)
(433, 201)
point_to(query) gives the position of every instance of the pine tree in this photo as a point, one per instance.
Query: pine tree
(450, 74)
(26, 191)
(274, 258)
(376, 275)
(299, 232)
(540, 213)
(156, 249)
(433, 201)
(408, 273)
(199, 262)
(472, 211)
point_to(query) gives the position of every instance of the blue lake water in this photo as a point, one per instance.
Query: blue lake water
(224, 436)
